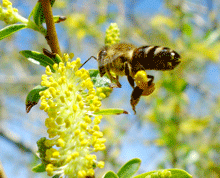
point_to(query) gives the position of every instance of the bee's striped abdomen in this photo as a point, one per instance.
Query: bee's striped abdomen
(155, 58)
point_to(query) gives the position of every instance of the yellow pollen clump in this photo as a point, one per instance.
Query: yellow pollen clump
(44, 77)
(49, 169)
(83, 125)
(75, 108)
(55, 66)
(61, 142)
(51, 79)
(62, 99)
(101, 164)
(70, 87)
(90, 172)
(141, 79)
(71, 55)
(52, 91)
(96, 128)
(54, 84)
(81, 104)
(48, 71)
(91, 157)
(97, 119)
(77, 132)
(68, 123)
(98, 134)
(75, 154)
(84, 142)
(87, 119)
(59, 120)
(102, 95)
(78, 73)
(82, 174)
(56, 154)
(67, 93)
(68, 65)
(78, 97)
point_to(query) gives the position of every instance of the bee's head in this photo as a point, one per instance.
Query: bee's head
(101, 61)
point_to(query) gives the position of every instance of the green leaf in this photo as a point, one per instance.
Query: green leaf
(38, 58)
(38, 14)
(187, 29)
(175, 173)
(33, 97)
(93, 72)
(57, 59)
(112, 111)
(97, 80)
(110, 174)
(39, 168)
(129, 169)
(9, 30)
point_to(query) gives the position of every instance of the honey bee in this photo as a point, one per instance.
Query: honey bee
(127, 59)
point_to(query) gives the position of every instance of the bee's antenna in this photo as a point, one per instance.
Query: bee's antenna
(87, 61)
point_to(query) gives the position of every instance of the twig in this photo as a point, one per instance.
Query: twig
(17, 142)
(51, 37)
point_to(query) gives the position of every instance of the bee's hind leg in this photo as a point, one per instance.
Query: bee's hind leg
(151, 77)
(127, 73)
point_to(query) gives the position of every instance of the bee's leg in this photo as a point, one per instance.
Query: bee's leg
(127, 73)
(151, 77)
(135, 97)
(113, 79)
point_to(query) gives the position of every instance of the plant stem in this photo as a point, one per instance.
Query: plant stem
(51, 37)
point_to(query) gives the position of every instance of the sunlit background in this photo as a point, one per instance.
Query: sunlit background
(175, 127)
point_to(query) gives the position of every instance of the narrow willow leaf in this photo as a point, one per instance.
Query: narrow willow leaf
(39, 168)
(9, 30)
(111, 111)
(37, 12)
(55, 57)
(38, 58)
(110, 174)
(129, 169)
(97, 80)
(175, 173)
(33, 97)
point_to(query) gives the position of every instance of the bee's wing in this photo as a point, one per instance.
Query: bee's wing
(110, 58)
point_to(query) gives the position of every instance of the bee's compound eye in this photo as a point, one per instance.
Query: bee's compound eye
(103, 53)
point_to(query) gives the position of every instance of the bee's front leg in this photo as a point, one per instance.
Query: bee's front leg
(115, 81)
